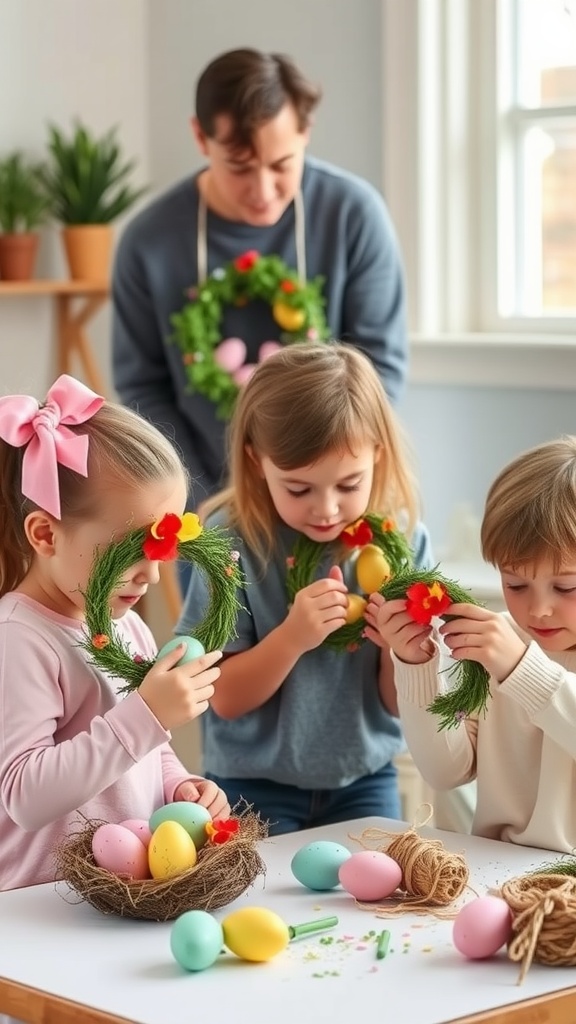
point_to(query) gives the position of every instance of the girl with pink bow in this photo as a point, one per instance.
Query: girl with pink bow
(76, 473)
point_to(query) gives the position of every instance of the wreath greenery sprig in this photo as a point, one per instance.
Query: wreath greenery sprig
(173, 536)
(428, 594)
(212, 369)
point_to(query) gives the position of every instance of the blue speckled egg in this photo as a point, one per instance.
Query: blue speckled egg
(196, 939)
(316, 865)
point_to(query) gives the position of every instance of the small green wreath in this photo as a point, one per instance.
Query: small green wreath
(173, 536)
(428, 593)
(216, 368)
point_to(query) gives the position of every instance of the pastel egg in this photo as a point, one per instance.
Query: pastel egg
(196, 940)
(255, 933)
(267, 349)
(140, 827)
(316, 865)
(171, 851)
(118, 850)
(482, 927)
(372, 569)
(191, 817)
(230, 354)
(243, 374)
(194, 649)
(355, 608)
(370, 875)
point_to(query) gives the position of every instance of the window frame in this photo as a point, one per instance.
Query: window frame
(448, 164)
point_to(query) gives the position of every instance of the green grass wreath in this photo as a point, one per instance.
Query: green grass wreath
(173, 536)
(216, 367)
(385, 565)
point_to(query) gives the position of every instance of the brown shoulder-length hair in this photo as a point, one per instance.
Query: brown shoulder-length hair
(123, 447)
(530, 511)
(252, 87)
(306, 401)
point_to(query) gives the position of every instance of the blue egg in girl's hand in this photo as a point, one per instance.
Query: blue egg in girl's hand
(194, 649)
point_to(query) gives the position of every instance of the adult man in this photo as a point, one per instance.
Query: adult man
(259, 192)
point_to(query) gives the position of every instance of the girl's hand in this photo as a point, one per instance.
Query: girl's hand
(206, 793)
(477, 634)
(178, 693)
(318, 610)
(389, 621)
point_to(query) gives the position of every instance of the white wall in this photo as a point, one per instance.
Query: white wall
(61, 59)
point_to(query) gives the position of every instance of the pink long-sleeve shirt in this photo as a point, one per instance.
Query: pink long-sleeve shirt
(68, 743)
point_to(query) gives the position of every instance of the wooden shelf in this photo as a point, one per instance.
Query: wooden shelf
(49, 287)
(76, 303)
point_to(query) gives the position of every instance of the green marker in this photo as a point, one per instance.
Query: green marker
(296, 931)
(383, 943)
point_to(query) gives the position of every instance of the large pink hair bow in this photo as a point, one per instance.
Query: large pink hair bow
(44, 431)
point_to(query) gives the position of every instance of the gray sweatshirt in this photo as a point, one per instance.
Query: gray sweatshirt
(350, 241)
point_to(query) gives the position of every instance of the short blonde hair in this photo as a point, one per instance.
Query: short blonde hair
(303, 402)
(123, 447)
(530, 512)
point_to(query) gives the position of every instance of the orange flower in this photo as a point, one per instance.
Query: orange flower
(100, 640)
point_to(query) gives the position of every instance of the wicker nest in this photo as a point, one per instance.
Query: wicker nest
(221, 874)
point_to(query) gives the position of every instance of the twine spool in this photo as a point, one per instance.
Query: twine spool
(432, 876)
(543, 915)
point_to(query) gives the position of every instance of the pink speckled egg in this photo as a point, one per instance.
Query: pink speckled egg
(118, 850)
(482, 927)
(140, 827)
(242, 375)
(267, 349)
(230, 354)
(370, 875)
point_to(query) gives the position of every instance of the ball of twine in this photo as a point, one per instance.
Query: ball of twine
(543, 914)
(432, 876)
(222, 873)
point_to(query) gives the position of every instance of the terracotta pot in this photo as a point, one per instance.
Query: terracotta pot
(88, 250)
(18, 255)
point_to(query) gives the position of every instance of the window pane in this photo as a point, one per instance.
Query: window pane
(546, 65)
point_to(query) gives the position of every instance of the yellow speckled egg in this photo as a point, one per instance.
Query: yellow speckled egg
(372, 569)
(355, 609)
(170, 851)
(255, 933)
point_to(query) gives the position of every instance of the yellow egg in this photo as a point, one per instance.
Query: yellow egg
(255, 933)
(372, 569)
(287, 317)
(355, 610)
(171, 851)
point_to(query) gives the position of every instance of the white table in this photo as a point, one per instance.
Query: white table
(64, 963)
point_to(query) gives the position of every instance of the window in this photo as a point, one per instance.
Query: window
(536, 68)
(480, 165)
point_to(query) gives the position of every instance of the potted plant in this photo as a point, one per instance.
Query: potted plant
(23, 207)
(86, 179)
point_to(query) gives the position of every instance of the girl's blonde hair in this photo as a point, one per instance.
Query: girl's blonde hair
(530, 512)
(306, 401)
(123, 448)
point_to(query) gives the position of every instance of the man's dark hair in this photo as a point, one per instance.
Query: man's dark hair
(252, 87)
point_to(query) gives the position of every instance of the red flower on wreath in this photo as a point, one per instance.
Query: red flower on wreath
(357, 534)
(161, 544)
(219, 831)
(288, 287)
(426, 600)
(247, 260)
(100, 641)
